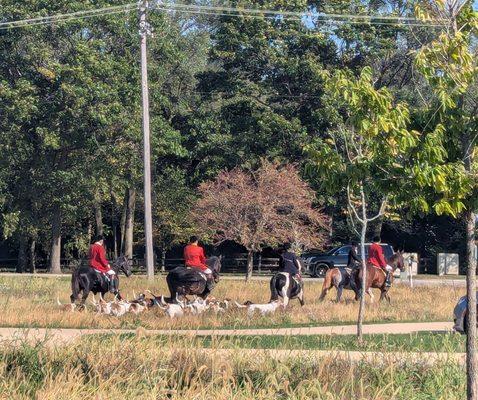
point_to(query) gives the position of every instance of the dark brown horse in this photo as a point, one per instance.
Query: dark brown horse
(183, 281)
(375, 277)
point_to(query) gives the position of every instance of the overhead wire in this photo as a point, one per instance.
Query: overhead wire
(328, 21)
(44, 20)
(285, 13)
(385, 20)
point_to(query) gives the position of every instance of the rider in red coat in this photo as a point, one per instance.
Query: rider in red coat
(99, 262)
(376, 258)
(194, 257)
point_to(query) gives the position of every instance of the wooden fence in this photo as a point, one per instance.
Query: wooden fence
(229, 264)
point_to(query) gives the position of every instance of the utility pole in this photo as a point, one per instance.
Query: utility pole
(145, 31)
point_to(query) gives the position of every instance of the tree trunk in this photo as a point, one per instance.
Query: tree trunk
(33, 258)
(163, 260)
(250, 264)
(123, 221)
(115, 240)
(377, 227)
(471, 356)
(55, 253)
(364, 278)
(98, 218)
(129, 222)
(22, 256)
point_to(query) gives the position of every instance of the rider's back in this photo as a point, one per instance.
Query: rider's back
(288, 263)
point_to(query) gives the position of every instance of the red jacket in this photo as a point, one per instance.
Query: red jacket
(375, 256)
(194, 257)
(98, 259)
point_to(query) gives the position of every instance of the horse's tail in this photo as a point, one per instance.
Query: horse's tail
(273, 284)
(75, 286)
(327, 285)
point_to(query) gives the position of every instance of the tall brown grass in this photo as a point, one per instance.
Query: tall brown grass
(31, 302)
(133, 368)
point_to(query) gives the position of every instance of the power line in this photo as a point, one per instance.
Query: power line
(43, 20)
(389, 20)
(284, 13)
(195, 10)
(66, 19)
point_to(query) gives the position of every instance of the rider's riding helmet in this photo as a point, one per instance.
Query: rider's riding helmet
(97, 238)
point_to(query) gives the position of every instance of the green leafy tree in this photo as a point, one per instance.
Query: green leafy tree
(372, 154)
(450, 68)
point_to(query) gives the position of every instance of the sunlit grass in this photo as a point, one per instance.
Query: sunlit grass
(31, 302)
(174, 368)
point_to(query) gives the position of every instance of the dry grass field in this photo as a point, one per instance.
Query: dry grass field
(31, 302)
(133, 368)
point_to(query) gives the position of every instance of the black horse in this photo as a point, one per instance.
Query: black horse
(183, 281)
(284, 285)
(86, 280)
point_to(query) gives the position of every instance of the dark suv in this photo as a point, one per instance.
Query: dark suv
(317, 264)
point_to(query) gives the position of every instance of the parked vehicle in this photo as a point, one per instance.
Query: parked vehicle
(316, 264)
(460, 315)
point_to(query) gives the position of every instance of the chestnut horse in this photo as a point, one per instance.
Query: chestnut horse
(375, 278)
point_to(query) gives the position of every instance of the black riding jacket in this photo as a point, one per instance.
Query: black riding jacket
(289, 262)
(353, 259)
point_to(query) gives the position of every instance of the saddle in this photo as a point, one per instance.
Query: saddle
(380, 269)
(201, 274)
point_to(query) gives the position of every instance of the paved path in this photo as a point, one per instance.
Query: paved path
(59, 337)
(69, 335)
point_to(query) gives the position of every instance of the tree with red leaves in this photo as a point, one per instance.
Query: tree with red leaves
(266, 207)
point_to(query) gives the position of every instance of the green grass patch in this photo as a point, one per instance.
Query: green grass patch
(417, 342)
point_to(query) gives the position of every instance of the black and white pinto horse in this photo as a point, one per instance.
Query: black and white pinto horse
(183, 281)
(340, 278)
(284, 285)
(86, 279)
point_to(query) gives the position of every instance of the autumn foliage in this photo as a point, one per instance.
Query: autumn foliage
(266, 207)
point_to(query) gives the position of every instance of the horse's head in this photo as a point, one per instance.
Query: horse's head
(397, 261)
(123, 264)
(214, 264)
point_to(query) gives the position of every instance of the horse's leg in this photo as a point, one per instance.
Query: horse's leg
(301, 297)
(340, 288)
(172, 289)
(326, 286)
(74, 297)
(84, 296)
(369, 292)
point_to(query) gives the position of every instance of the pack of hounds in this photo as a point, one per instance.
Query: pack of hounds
(177, 309)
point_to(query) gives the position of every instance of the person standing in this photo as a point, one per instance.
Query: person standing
(98, 261)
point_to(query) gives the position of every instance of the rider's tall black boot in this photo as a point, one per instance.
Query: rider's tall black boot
(388, 282)
(113, 286)
(210, 283)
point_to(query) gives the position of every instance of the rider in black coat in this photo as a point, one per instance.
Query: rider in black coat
(289, 262)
